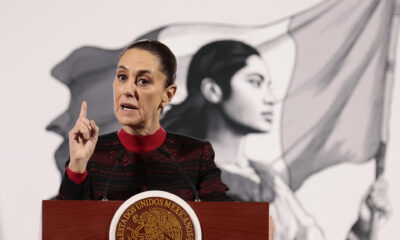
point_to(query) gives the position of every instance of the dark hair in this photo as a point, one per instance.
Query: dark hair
(165, 56)
(218, 60)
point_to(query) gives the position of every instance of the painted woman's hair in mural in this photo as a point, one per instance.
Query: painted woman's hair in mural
(217, 62)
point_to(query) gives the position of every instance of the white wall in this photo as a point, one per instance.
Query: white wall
(35, 35)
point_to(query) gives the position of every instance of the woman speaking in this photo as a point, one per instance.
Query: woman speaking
(141, 156)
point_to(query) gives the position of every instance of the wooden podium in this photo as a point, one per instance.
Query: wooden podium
(91, 219)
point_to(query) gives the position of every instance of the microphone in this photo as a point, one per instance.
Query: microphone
(169, 155)
(119, 158)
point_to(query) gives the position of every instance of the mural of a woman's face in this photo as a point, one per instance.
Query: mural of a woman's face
(251, 101)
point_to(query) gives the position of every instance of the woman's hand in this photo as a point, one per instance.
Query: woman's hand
(374, 208)
(82, 141)
(377, 200)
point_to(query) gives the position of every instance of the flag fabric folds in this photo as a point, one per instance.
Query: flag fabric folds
(333, 111)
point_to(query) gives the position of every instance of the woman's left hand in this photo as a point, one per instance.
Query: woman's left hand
(376, 201)
(375, 207)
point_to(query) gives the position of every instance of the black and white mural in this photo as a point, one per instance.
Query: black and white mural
(298, 106)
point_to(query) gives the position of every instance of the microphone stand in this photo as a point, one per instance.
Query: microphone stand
(169, 155)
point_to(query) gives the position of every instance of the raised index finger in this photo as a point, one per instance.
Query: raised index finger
(82, 114)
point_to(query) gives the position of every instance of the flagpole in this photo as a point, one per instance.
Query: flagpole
(380, 160)
(379, 170)
(389, 82)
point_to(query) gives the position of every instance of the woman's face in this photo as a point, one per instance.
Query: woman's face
(251, 101)
(139, 91)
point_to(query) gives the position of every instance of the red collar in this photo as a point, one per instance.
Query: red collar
(137, 143)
